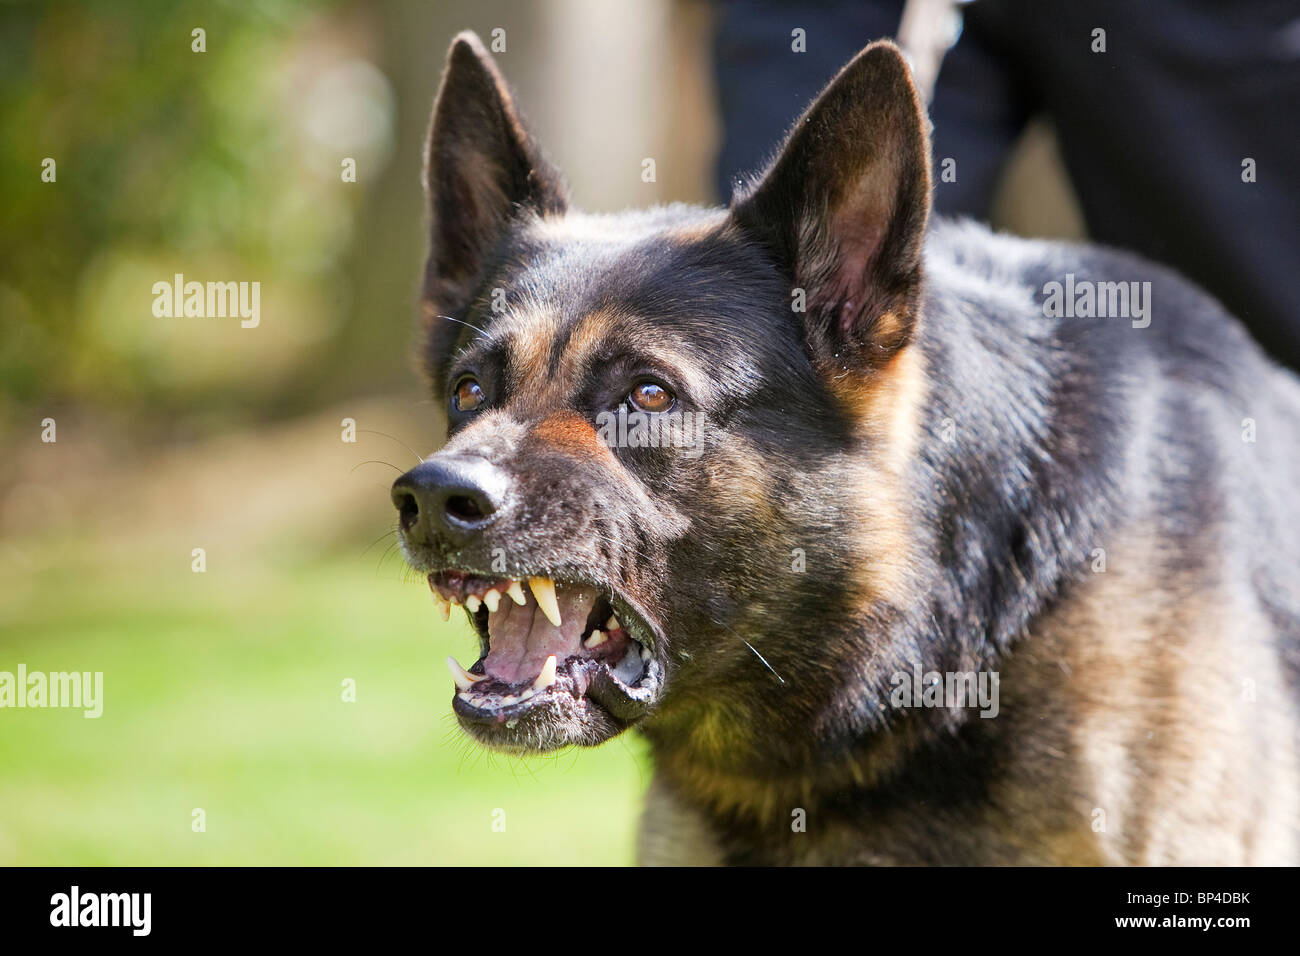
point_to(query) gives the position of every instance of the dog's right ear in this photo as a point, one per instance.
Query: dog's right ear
(481, 168)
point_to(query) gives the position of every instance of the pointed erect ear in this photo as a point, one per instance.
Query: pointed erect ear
(844, 209)
(482, 168)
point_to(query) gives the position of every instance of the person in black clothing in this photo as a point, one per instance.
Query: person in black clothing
(1162, 134)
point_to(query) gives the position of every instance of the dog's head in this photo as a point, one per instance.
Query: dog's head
(675, 435)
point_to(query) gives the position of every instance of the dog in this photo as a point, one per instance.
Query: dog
(904, 455)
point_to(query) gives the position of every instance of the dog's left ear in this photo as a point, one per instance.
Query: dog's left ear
(844, 207)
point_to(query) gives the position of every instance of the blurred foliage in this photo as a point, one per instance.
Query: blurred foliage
(223, 165)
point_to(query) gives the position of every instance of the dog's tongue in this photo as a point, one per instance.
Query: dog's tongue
(521, 638)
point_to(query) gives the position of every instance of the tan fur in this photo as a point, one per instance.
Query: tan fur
(1145, 721)
(887, 404)
(573, 435)
(1133, 716)
(1175, 681)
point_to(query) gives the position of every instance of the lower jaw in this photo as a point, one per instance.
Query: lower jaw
(546, 727)
(585, 706)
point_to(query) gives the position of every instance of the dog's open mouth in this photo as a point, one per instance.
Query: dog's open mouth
(548, 646)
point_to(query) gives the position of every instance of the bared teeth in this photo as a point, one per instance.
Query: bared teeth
(544, 591)
(516, 592)
(492, 600)
(612, 624)
(463, 678)
(444, 609)
(472, 603)
(597, 638)
(547, 677)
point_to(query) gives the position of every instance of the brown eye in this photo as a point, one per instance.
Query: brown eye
(469, 395)
(649, 397)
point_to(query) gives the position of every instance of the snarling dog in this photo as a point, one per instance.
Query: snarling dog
(915, 464)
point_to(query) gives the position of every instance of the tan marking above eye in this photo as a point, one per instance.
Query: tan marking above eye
(651, 397)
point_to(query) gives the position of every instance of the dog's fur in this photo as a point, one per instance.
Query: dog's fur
(1075, 504)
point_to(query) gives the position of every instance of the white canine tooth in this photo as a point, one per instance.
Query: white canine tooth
(526, 694)
(598, 637)
(544, 591)
(547, 677)
(463, 678)
(444, 609)
(472, 603)
(492, 599)
(612, 624)
(516, 592)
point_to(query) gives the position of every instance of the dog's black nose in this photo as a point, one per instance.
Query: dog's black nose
(450, 498)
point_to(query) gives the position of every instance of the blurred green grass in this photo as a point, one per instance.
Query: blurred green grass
(223, 691)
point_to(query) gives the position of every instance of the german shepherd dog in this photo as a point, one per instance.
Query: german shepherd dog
(889, 470)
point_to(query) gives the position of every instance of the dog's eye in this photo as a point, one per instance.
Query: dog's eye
(469, 395)
(649, 397)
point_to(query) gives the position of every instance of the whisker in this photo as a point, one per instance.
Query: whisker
(757, 654)
(380, 566)
(466, 324)
(596, 532)
(377, 461)
(377, 540)
(371, 431)
(640, 771)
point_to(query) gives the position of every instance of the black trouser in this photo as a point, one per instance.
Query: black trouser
(1153, 132)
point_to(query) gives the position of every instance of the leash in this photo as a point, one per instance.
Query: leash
(927, 31)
